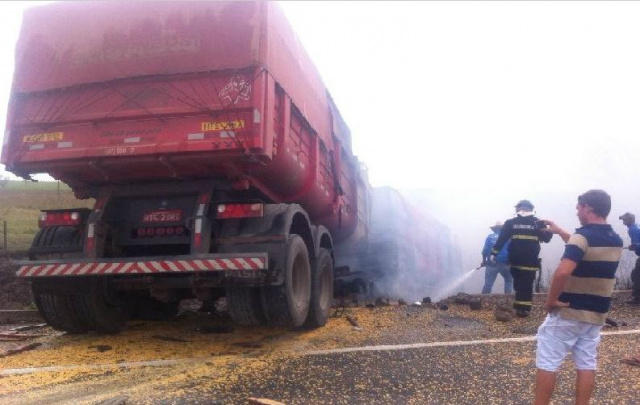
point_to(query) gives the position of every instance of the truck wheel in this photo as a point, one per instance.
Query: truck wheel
(65, 237)
(58, 311)
(100, 308)
(150, 309)
(245, 307)
(288, 304)
(321, 290)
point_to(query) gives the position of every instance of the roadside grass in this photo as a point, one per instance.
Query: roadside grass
(20, 205)
(33, 185)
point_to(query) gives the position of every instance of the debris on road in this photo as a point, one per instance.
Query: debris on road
(8, 337)
(119, 400)
(382, 303)
(339, 312)
(220, 359)
(264, 401)
(27, 327)
(353, 321)
(12, 338)
(475, 304)
(504, 314)
(462, 298)
(20, 349)
(248, 345)
(614, 323)
(169, 339)
(101, 348)
(207, 329)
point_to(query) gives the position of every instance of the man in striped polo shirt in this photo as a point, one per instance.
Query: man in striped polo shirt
(579, 298)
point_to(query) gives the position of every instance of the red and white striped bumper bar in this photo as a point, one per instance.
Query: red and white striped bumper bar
(208, 263)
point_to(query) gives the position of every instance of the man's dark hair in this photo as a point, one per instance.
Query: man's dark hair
(598, 200)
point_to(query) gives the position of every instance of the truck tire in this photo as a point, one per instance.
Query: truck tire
(61, 237)
(100, 309)
(245, 306)
(288, 304)
(150, 309)
(321, 290)
(58, 311)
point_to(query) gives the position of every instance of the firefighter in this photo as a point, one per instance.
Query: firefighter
(525, 233)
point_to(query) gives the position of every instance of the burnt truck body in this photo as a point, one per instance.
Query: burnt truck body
(409, 254)
(218, 162)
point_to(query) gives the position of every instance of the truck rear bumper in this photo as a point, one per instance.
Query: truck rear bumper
(145, 265)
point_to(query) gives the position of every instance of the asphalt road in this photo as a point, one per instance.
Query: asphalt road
(430, 357)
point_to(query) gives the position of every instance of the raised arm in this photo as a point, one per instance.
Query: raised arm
(552, 228)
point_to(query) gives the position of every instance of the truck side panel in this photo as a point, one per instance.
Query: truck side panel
(180, 90)
(103, 41)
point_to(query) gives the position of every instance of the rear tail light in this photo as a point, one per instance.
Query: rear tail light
(230, 211)
(59, 218)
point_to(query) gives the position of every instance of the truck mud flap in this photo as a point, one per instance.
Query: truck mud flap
(213, 263)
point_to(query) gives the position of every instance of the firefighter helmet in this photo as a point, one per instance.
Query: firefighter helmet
(524, 205)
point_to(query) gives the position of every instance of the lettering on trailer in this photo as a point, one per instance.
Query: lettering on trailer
(228, 144)
(120, 150)
(136, 49)
(46, 137)
(223, 125)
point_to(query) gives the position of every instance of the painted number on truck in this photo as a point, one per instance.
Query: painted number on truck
(47, 137)
(120, 150)
(221, 126)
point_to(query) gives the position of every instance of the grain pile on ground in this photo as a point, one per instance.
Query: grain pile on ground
(273, 363)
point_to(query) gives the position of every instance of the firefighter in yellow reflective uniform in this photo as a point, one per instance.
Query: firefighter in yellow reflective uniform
(525, 233)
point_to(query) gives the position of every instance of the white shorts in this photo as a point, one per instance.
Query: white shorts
(558, 336)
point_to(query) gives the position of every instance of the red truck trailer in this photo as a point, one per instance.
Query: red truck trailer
(218, 162)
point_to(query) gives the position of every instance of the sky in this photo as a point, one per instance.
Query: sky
(486, 103)
(480, 103)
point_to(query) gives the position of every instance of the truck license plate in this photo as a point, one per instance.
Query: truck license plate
(162, 216)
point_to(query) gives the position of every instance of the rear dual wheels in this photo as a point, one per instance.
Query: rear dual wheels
(58, 311)
(83, 307)
(321, 290)
(288, 304)
(304, 298)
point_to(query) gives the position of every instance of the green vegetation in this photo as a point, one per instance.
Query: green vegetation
(32, 185)
(20, 205)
